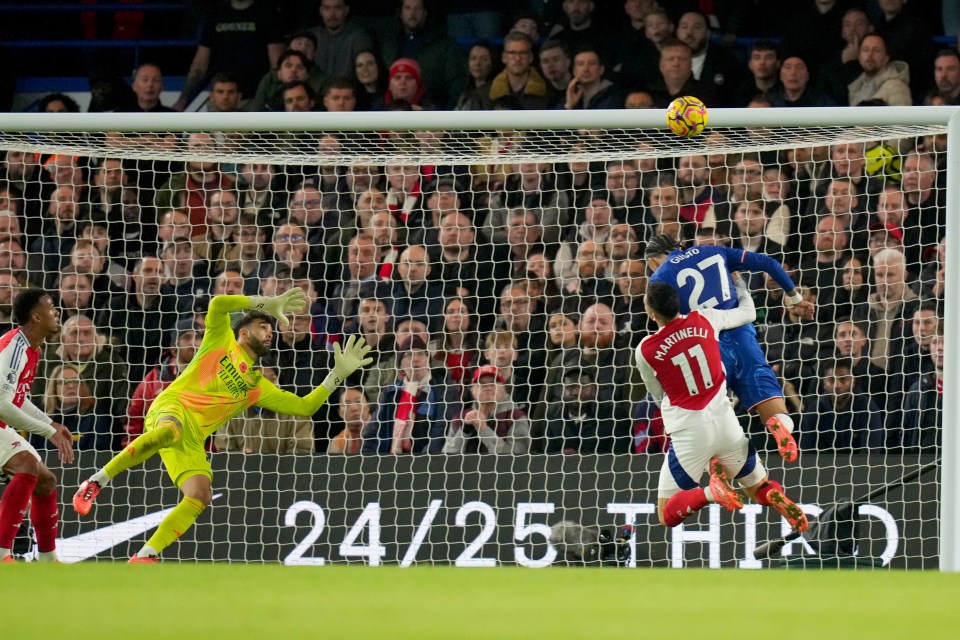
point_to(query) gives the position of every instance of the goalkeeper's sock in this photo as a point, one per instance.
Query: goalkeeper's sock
(176, 524)
(45, 514)
(684, 504)
(138, 452)
(13, 507)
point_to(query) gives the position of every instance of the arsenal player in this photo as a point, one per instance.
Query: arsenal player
(30, 480)
(682, 368)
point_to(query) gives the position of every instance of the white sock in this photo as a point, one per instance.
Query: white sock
(786, 420)
(147, 552)
(708, 494)
(4, 553)
(101, 478)
(47, 556)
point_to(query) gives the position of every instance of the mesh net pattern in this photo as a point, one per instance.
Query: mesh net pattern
(452, 251)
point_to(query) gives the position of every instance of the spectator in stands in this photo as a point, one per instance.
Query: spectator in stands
(261, 191)
(578, 29)
(632, 318)
(676, 77)
(795, 89)
(842, 66)
(9, 287)
(795, 346)
(57, 103)
(292, 66)
(882, 78)
(13, 259)
(410, 414)
(533, 186)
(224, 94)
(339, 39)
(851, 340)
(442, 62)
(189, 189)
(406, 84)
(240, 38)
(927, 209)
(70, 402)
(946, 74)
(492, 423)
(185, 276)
(822, 268)
(413, 294)
(712, 65)
(663, 203)
(622, 244)
(101, 367)
(909, 38)
(298, 97)
(21, 171)
(250, 240)
(578, 423)
(49, 253)
(764, 65)
(626, 195)
(589, 89)
(479, 73)
(263, 431)
(555, 63)
(842, 419)
(361, 269)
(633, 55)
(404, 195)
(291, 252)
(373, 324)
(228, 282)
(354, 410)
(86, 258)
(75, 294)
(597, 222)
(459, 260)
(927, 324)
(147, 85)
(519, 78)
(851, 293)
(750, 224)
(441, 199)
(339, 95)
(133, 317)
(107, 185)
(923, 406)
(592, 280)
(301, 362)
(459, 348)
(519, 317)
(370, 77)
(189, 334)
(523, 236)
(697, 196)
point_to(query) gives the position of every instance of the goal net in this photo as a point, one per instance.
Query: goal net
(497, 268)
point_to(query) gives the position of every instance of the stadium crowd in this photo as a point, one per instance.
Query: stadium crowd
(503, 302)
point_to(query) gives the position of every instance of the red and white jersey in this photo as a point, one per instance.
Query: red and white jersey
(682, 367)
(18, 366)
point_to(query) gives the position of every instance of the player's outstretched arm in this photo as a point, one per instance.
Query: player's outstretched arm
(353, 356)
(792, 298)
(292, 301)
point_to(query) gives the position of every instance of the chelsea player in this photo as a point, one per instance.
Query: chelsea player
(701, 275)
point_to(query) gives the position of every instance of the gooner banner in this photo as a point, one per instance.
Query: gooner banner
(475, 511)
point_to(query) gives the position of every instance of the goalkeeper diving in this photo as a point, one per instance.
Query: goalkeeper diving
(219, 383)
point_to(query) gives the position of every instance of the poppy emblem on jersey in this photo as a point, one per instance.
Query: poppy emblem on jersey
(243, 367)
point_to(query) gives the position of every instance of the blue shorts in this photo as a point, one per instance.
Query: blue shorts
(748, 374)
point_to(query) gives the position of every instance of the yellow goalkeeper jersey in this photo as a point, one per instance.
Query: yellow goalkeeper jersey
(221, 382)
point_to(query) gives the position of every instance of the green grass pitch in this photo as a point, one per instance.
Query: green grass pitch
(180, 601)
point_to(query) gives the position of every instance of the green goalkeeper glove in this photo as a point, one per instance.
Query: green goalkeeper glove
(292, 301)
(350, 358)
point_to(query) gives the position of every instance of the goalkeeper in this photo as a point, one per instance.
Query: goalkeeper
(219, 383)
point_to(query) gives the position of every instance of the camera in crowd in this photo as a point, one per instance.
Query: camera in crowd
(578, 545)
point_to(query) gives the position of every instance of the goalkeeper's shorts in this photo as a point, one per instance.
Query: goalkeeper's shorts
(186, 457)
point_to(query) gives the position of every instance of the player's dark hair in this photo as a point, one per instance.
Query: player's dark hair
(663, 300)
(249, 318)
(660, 245)
(25, 304)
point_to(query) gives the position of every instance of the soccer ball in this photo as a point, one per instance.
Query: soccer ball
(687, 116)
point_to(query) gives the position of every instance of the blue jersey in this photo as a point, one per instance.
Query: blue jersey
(702, 277)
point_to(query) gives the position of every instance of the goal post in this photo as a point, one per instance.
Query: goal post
(455, 515)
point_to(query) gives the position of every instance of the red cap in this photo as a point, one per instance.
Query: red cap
(488, 370)
(892, 229)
